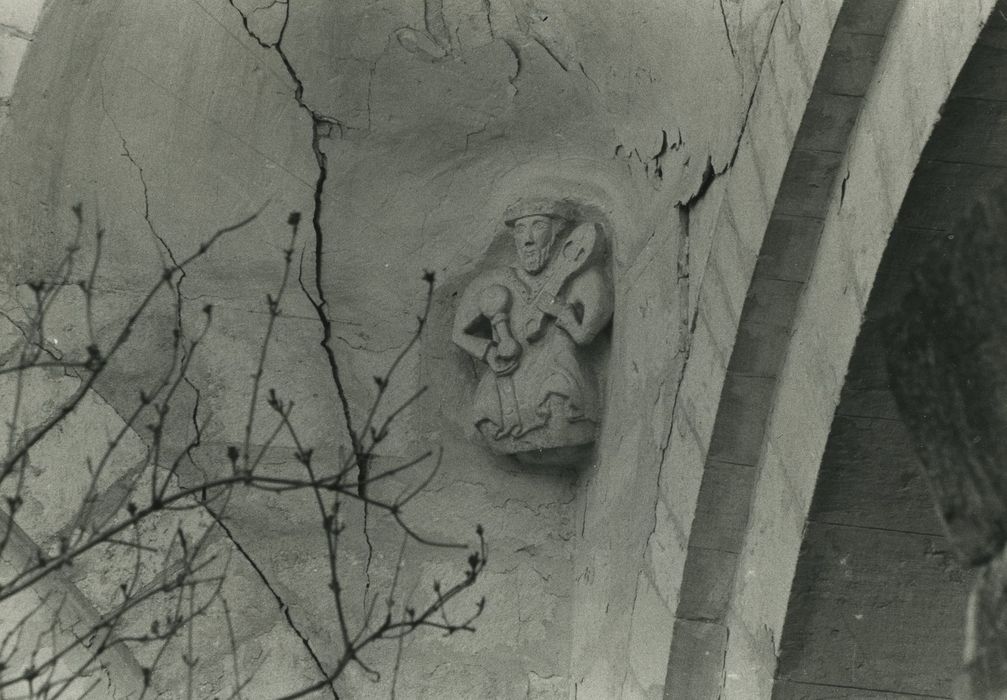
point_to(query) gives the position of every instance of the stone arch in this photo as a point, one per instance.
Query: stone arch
(779, 353)
(961, 162)
(838, 202)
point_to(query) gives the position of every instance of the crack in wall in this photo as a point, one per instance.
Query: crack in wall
(727, 30)
(552, 53)
(11, 30)
(588, 77)
(219, 520)
(755, 88)
(176, 286)
(323, 128)
(284, 607)
(711, 172)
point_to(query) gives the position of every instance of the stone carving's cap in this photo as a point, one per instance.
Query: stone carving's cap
(538, 206)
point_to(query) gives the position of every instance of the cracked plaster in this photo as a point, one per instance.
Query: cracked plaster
(172, 121)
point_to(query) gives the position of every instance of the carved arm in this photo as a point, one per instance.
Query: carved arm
(467, 315)
(590, 293)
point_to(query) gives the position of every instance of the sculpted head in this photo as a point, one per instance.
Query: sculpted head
(535, 225)
(533, 239)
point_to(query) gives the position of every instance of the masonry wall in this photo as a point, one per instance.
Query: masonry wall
(891, 130)
(719, 143)
(878, 600)
(169, 121)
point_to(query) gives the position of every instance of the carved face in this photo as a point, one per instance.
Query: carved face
(533, 237)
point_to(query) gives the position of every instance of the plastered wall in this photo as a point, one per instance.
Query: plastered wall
(168, 121)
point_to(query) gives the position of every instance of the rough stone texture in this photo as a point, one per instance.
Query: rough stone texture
(876, 172)
(688, 125)
(877, 598)
(809, 382)
(169, 121)
(950, 315)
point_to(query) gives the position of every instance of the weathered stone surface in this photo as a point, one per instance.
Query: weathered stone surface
(788, 249)
(844, 597)
(724, 496)
(737, 435)
(534, 325)
(701, 644)
(950, 320)
(677, 120)
(865, 457)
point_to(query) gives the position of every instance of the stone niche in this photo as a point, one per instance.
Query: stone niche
(530, 333)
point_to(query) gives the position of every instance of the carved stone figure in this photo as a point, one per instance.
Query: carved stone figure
(532, 324)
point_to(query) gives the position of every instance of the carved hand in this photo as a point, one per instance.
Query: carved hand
(508, 348)
(500, 365)
(566, 320)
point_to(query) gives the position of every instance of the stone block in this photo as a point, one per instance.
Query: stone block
(955, 29)
(868, 212)
(807, 184)
(831, 310)
(866, 16)
(695, 668)
(849, 63)
(706, 584)
(722, 509)
(849, 606)
(828, 121)
(788, 251)
(772, 302)
(759, 350)
(853, 491)
(891, 132)
(871, 188)
(738, 432)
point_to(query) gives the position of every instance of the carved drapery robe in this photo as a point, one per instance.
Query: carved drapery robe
(549, 400)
